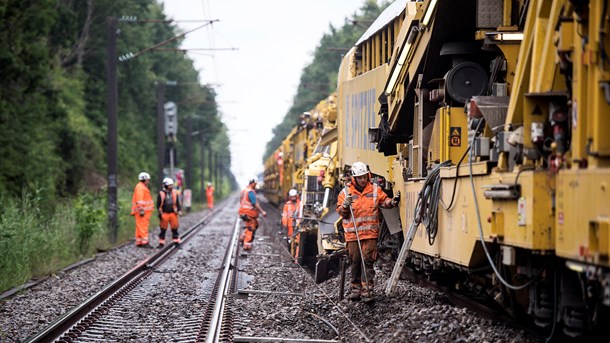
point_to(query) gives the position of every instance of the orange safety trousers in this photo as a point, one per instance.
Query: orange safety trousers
(209, 193)
(170, 219)
(247, 236)
(142, 223)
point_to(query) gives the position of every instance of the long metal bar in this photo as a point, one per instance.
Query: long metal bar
(213, 334)
(281, 340)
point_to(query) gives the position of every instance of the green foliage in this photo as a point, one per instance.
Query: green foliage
(32, 243)
(319, 79)
(90, 217)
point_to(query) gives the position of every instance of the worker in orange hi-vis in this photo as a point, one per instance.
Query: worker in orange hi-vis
(142, 207)
(290, 213)
(249, 209)
(209, 193)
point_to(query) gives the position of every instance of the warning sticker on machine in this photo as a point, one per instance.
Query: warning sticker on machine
(455, 136)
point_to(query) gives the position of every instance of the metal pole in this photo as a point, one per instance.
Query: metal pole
(351, 211)
(202, 167)
(189, 159)
(112, 107)
(342, 283)
(210, 157)
(160, 131)
(171, 161)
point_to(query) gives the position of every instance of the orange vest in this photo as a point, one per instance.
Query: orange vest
(365, 207)
(141, 199)
(291, 210)
(245, 206)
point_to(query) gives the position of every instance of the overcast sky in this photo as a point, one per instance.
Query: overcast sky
(273, 40)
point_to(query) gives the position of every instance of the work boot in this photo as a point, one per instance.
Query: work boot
(146, 246)
(355, 294)
(367, 295)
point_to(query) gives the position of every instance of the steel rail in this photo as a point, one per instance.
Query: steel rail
(83, 315)
(215, 325)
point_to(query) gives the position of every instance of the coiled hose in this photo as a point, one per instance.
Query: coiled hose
(426, 208)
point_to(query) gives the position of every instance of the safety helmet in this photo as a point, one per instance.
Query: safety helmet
(292, 193)
(209, 183)
(144, 176)
(359, 169)
(168, 181)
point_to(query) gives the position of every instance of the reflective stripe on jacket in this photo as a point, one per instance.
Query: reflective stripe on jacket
(141, 199)
(246, 207)
(291, 210)
(365, 207)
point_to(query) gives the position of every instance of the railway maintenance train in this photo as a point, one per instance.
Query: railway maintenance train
(490, 117)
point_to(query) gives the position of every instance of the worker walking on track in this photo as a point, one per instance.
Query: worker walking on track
(168, 204)
(142, 207)
(291, 213)
(358, 204)
(249, 209)
(209, 194)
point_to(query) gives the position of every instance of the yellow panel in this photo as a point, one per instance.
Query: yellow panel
(458, 223)
(598, 237)
(583, 200)
(357, 111)
(528, 221)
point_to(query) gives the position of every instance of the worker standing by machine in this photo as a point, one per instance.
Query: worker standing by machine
(249, 209)
(358, 204)
(168, 204)
(290, 213)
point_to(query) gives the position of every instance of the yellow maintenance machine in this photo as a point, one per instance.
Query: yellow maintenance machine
(498, 112)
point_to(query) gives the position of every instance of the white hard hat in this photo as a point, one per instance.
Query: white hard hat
(168, 181)
(209, 183)
(144, 176)
(292, 193)
(359, 169)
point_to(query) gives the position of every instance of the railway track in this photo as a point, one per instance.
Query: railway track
(111, 311)
(212, 291)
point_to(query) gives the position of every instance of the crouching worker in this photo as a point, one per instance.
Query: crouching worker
(249, 208)
(168, 204)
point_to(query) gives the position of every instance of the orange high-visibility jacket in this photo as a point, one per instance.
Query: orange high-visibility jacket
(245, 206)
(291, 210)
(365, 206)
(209, 191)
(142, 199)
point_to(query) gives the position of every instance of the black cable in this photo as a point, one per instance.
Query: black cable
(426, 208)
(457, 174)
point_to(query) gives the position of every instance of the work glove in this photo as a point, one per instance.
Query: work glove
(347, 202)
(179, 213)
(396, 199)
(141, 212)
